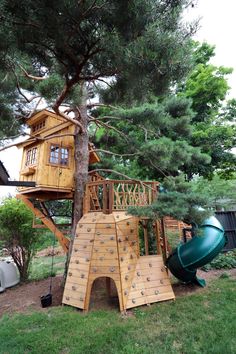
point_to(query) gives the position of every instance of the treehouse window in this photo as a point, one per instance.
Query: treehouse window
(38, 126)
(31, 157)
(59, 155)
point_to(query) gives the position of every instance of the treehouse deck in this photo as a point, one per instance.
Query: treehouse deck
(117, 195)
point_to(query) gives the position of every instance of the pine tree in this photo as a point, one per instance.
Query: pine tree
(61, 49)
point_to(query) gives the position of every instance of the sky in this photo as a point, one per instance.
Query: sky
(217, 27)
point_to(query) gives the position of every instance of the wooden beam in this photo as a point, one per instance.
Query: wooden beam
(20, 184)
(46, 221)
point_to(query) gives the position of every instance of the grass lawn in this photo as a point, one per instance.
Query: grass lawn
(204, 322)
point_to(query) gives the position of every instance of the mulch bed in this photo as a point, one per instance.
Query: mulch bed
(26, 297)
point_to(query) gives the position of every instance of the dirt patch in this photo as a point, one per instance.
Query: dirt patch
(49, 251)
(26, 297)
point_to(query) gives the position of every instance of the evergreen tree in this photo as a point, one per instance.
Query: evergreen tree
(62, 49)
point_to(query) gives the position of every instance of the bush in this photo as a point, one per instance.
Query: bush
(17, 234)
(222, 261)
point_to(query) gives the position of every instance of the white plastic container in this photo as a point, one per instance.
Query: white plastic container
(9, 275)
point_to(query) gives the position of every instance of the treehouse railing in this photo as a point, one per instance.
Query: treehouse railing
(114, 195)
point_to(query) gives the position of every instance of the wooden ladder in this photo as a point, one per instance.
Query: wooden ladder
(94, 198)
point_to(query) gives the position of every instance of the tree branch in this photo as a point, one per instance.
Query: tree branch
(115, 154)
(91, 105)
(121, 174)
(74, 121)
(37, 78)
(109, 127)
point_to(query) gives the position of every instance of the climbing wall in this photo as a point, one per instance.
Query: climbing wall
(108, 246)
(150, 282)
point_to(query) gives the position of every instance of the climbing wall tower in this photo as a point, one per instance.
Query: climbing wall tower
(107, 245)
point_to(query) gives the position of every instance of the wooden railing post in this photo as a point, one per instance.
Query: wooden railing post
(111, 197)
(105, 197)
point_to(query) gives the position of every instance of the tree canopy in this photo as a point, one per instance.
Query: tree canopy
(138, 58)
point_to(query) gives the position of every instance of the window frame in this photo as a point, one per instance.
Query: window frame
(60, 155)
(40, 125)
(31, 157)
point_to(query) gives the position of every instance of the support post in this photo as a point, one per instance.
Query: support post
(64, 242)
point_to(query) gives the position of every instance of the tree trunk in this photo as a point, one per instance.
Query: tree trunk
(81, 159)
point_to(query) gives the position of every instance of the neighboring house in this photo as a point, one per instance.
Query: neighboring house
(4, 179)
(3, 174)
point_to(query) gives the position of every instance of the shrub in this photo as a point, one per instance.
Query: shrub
(17, 234)
(222, 261)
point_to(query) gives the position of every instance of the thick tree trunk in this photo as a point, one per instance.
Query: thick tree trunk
(81, 159)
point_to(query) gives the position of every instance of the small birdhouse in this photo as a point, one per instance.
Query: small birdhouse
(48, 155)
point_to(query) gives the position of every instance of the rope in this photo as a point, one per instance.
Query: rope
(54, 239)
(52, 263)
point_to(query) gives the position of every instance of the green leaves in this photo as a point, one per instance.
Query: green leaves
(16, 233)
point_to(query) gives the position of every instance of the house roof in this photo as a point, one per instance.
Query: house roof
(3, 174)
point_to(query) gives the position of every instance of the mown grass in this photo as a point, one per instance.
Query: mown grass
(204, 322)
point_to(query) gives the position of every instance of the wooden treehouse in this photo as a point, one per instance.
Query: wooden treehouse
(48, 157)
(109, 243)
(48, 161)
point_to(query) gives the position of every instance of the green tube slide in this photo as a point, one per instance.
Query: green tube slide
(200, 250)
